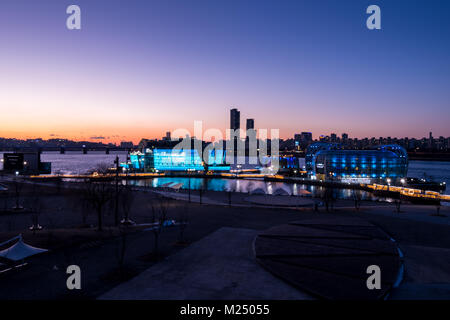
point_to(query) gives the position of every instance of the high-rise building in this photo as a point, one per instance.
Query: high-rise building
(235, 119)
(302, 139)
(344, 137)
(306, 137)
(167, 137)
(250, 124)
(333, 137)
(430, 140)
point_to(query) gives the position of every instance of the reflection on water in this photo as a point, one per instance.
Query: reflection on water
(79, 163)
(248, 186)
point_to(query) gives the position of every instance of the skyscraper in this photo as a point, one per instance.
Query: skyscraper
(235, 119)
(250, 124)
(250, 134)
(306, 137)
(333, 137)
(344, 137)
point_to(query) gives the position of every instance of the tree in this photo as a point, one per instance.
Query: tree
(98, 194)
(398, 203)
(357, 198)
(116, 182)
(58, 181)
(328, 198)
(17, 192)
(36, 206)
(126, 200)
(159, 210)
(183, 221)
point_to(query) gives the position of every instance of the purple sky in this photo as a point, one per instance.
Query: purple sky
(141, 68)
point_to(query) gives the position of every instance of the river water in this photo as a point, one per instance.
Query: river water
(78, 163)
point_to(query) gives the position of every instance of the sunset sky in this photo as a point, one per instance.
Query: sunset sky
(140, 68)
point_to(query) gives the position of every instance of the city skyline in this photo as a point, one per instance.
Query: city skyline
(158, 66)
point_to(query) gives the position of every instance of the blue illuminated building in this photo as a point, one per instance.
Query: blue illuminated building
(160, 160)
(387, 163)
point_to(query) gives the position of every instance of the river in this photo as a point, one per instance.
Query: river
(78, 163)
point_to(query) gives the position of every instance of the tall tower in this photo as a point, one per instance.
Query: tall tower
(235, 119)
(250, 124)
(430, 140)
(250, 130)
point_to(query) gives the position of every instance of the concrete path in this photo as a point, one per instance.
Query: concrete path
(330, 257)
(220, 266)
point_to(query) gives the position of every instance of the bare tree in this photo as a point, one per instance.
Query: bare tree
(17, 192)
(398, 203)
(98, 194)
(126, 199)
(328, 198)
(100, 169)
(183, 221)
(159, 210)
(36, 206)
(357, 199)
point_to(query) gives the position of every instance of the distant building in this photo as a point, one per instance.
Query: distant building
(235, 119)
(25, 163)
(167, 137)
(126, 144)
(302, 139)
(306, 136)
(328, 161)
(344, 137)
(250, 124)
(333, 137)
(162, 160)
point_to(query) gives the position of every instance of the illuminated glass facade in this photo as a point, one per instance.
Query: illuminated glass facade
(313, 149)
(176, 160)
(385, 162)
(216, 160)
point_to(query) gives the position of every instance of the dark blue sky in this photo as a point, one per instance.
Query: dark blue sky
(145, 67)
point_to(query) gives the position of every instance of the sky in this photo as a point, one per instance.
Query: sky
(139, 68)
